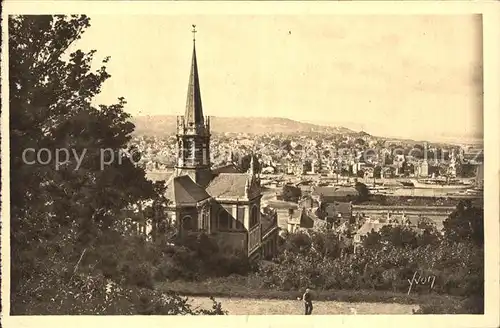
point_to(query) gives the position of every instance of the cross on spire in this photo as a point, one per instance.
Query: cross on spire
(194, 32)
(194, 112)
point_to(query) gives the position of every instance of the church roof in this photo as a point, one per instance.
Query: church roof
(228, 168)
(229, 185)
(203, 177)
(182, 190)
(194, 110)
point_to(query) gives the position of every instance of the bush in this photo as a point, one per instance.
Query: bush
(197, 257)
(457, 267)
(471, 305)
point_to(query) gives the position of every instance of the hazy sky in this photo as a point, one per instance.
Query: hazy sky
(400, 75)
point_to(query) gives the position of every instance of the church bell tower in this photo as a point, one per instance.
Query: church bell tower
(193, 132)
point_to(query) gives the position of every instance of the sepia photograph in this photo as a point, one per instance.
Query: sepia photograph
(250, 164)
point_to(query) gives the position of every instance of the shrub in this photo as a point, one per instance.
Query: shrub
(457, 267)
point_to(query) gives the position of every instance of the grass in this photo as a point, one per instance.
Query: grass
(243, 287)
(252, 306)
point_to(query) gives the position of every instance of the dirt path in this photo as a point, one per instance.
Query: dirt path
(239, 306)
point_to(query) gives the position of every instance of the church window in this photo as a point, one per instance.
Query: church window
(241, 217)
(204, 219)
(254, 216)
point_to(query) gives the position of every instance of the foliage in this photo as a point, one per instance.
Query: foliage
(465, 223)
(197, 256)
(244, 163)
(291, 193)
(363, 192)
(67, 232)
(94, 294)
(396, 255)
(470, 305)
(399, 236)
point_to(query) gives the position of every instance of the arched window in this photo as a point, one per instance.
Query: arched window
(254, 216)
(204, 219)
(187, 223)
(223, 219)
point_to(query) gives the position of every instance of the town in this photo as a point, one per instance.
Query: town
(308, 179)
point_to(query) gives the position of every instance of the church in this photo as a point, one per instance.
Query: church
(222, 202)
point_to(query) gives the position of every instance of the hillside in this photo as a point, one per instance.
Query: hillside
(160, 125)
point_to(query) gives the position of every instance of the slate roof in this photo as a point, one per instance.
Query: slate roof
(333, 209)
(194, 110)
(228, 185)
(182, 190)
(229, 168)
(282, 205)
(306, 220)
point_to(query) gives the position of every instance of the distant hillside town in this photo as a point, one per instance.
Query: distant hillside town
(310, 180)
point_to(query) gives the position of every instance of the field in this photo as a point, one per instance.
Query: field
(253, 306)
(239, 297)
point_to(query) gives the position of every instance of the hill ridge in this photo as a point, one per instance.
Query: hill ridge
(160, 125)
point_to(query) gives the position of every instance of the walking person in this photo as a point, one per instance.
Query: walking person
(307, 298)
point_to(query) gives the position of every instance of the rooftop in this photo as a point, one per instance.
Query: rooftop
(231, 185)
(335, 191)
(182, 190)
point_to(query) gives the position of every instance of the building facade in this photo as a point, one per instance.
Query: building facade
(222, 202)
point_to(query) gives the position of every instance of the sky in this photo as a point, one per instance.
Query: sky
(400, 75)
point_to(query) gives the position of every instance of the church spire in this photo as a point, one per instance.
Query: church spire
(194, 111)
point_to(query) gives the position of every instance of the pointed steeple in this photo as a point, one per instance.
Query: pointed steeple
(194, 111)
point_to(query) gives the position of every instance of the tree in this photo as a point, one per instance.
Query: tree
(291, 193)
(466, 223)
(359, 142)
(66, 211)
(156, 213)
(426, 224)
(363, 191)
(326, 244)
(299, 243)
(372, 240)
(398, 236)
(418, 151)
(245, 163)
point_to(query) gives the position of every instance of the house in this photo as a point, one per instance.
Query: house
(282, 209)
(294, 221)
(304, 219)
(332, 194)
(338, 211)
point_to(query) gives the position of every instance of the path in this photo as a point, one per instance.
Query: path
(243, 306)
